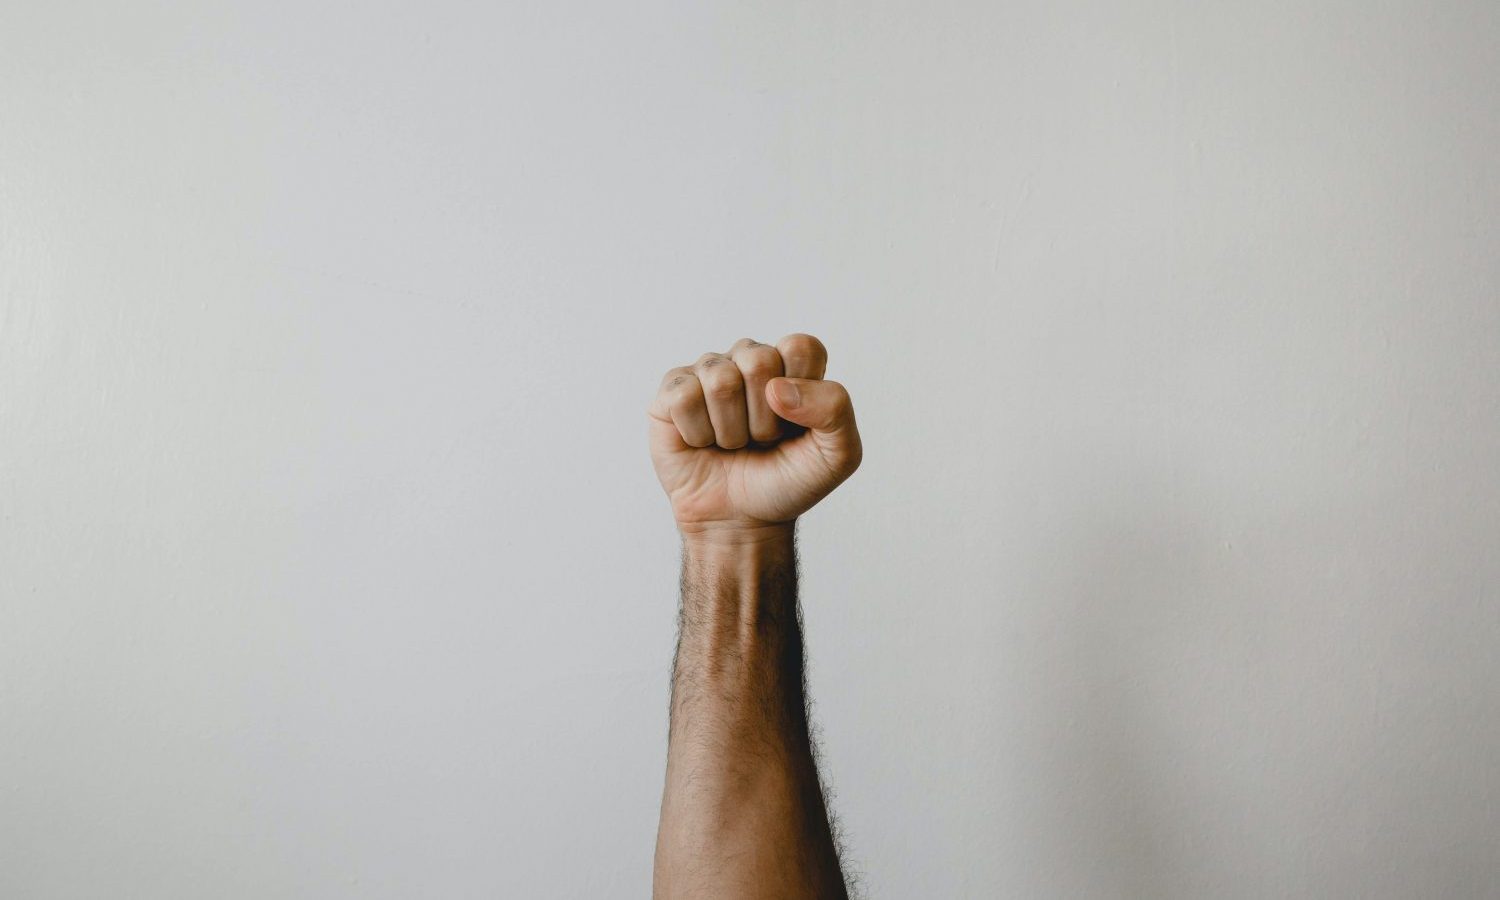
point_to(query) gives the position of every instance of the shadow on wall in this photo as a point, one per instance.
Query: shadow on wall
(1237, 700)
(1115, 591)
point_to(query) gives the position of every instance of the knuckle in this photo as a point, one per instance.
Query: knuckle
(804, 355)
(804, 345)
(674, 379)
(721, 381)
(684, 392)
(760, 361)
(722, 390)
(681, 383)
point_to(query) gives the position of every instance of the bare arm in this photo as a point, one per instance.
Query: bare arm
(743, 811)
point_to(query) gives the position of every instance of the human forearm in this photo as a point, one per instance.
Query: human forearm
(743, 813)
(744, 443)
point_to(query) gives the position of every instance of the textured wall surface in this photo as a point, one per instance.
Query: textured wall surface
(332, 563)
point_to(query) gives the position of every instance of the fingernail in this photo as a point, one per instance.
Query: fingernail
(787, 394)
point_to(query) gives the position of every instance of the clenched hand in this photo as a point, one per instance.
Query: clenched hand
(752, 437)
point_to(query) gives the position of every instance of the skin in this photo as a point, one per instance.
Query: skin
(743, 812)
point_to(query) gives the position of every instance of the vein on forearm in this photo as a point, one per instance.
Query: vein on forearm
(743, 799)
(738, 672)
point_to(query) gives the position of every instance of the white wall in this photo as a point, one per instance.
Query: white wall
(331, 559)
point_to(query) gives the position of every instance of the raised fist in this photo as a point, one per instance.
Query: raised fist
(752, 437)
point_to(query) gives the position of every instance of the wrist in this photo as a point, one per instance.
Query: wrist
(738, 592)
(732, 536)
(741, 555)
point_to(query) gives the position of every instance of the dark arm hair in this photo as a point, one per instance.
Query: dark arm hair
(744, 811)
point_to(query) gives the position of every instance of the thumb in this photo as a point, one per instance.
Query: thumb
(821, 406)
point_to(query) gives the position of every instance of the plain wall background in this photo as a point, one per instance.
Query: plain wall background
(331, 559)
